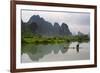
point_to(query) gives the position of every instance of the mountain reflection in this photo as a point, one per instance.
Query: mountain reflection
(35, 52)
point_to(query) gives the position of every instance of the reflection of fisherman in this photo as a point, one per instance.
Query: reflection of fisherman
(77, 47)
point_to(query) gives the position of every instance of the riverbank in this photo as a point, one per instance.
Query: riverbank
(52, 40)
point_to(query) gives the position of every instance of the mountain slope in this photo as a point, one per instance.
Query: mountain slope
(38, 25)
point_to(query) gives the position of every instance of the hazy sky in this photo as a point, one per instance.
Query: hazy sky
(76, 21)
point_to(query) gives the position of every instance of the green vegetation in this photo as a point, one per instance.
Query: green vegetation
(38, 39)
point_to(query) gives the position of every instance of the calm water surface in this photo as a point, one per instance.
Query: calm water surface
(55, 52)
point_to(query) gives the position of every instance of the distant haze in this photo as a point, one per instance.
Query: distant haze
(75, 21)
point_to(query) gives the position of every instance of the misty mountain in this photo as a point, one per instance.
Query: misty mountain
(57, 29)
(65, 29)
(38, 25)
(80, 33)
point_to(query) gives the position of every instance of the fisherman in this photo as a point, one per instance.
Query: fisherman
(77, 47)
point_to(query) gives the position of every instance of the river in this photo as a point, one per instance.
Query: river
(55, 52)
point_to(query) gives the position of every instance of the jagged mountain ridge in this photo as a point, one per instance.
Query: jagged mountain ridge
(38, 25)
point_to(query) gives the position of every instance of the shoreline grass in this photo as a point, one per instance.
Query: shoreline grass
(52, 40)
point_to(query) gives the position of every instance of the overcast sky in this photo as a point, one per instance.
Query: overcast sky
(76, 21)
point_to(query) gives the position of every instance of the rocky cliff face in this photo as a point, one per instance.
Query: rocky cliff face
(38, 25)
(65, 29)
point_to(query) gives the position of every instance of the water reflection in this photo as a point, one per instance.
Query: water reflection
(39, 51)
(35, 52)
